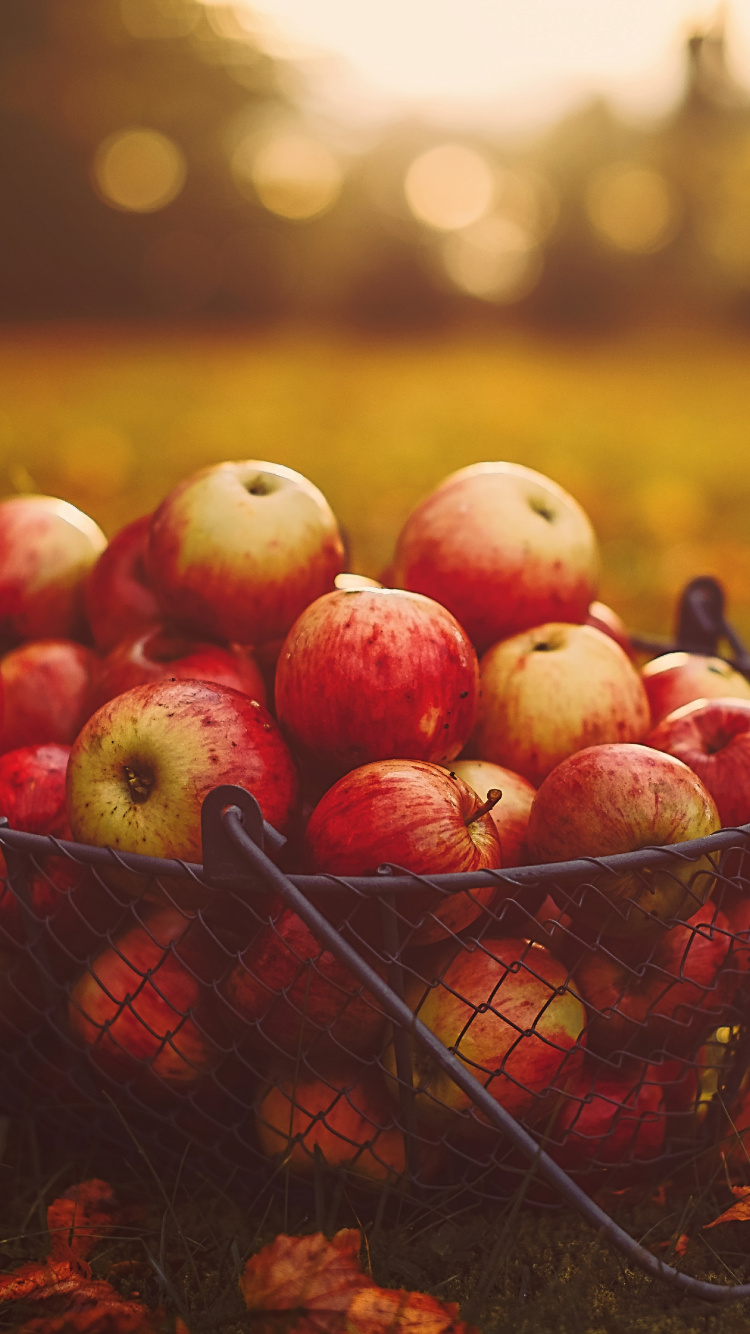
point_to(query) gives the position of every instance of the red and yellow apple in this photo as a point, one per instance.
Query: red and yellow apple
(46, 684)
(511, 814)
(142, 765)
(668, 1002)
(135, 1006)
(675, 679)
(554, 690)
(238, 550)
(345, 1117)
(47, 548)
(292, 994)
(419, 817)
(611, 799)
(161, 653)
(712, 736)
(502, 547)
(120, 602)
(376, 674)
(509, 1012)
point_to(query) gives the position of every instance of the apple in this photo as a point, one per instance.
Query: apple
(135, 1008)
(554, 690)
(668, 1002)
(508, 1010)
(511, 814)
(163, 653)
(712, 736)
(46, 684)
(419, 817)
(376, 674)
(32, 797)
(238, 550)
(22, 1002)
(675, 679)
(608, 1119)
(345, 1117)
(602, 617)
(291, 993)
(120, 602)
(502, 547)
(47, 548)
(142, 765)
(617, 798)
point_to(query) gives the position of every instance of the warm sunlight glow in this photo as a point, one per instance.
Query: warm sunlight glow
(139, 170)
(495, 260)
(632, 207)
(449, 187)
(521, 62)
(293, 175)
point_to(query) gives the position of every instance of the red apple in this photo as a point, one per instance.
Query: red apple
(511, 814)
(238, 550)
(554, 690)
(419, 817)
(602, 617)
(376, 674)
(347, 1118)
(610, 799)
(292, 994)
(142, 765)
(32, 797)
(608, 1120)
(162, 653)
(47, 548)
(134, 1008)
(713, 738)
(668, 1002)
(675, 679)
(46, 685)
(509, 1012)
(503, 548)
(119, 600)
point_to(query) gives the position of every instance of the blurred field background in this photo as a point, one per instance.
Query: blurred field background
(649, 431)
(201, 258)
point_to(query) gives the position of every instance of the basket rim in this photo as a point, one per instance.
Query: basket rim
(390, 878)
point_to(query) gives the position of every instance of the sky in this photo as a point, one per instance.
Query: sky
(514, 62)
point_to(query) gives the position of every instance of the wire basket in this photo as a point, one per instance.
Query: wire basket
(265, 1021)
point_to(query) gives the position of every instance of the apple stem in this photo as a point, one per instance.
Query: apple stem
(493, 797)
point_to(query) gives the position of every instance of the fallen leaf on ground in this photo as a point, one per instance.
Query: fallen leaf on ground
(737, 1213)
(322, 1285)
(679, 1247)
(382, 1310)
(77, 1221)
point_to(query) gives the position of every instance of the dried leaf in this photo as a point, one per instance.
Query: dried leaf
(387, 1311)
(739, 1212)
(322, 1284)
(115, 1317)
(82, 1217)
(305, 1273)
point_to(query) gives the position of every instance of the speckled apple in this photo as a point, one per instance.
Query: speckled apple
(503, 547)
(240, 549)
(376, 674)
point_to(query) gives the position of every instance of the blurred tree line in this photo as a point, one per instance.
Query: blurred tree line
(157, 159)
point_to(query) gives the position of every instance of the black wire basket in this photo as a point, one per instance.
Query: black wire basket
(267, 1023)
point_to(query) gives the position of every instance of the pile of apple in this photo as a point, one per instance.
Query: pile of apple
(479, 713)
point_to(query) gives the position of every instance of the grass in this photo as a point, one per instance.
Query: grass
(649, 432)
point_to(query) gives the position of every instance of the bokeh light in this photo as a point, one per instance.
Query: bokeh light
(495, 259)
(449, 187)
(292, 174)
(632, 207)
(139, 170)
